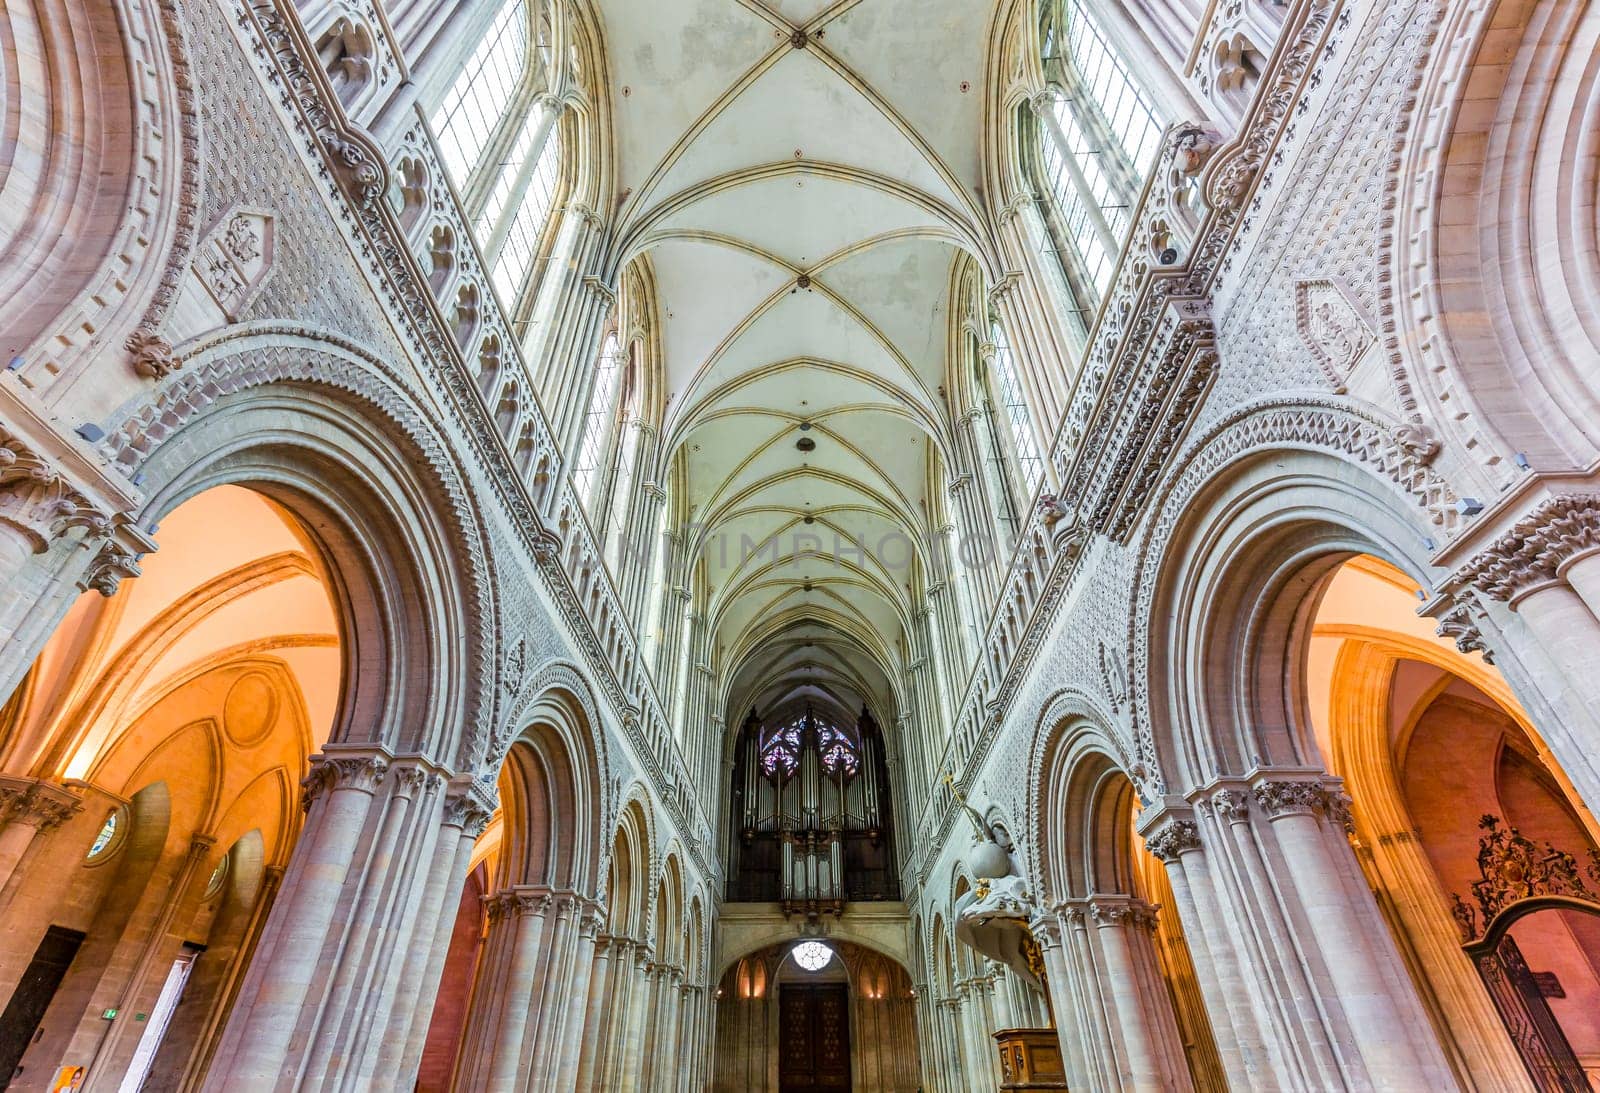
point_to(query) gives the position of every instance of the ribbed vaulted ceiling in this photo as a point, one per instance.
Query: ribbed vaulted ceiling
(748, 157)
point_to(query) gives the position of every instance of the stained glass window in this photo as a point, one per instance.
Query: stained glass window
(813, 956)
(108, 831)
(780, 750)
(839, 752)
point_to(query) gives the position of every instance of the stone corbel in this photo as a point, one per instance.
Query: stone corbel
(117, 558)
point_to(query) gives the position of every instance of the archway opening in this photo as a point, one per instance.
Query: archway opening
(814, 1014)
(161, 736)
(1463, 822)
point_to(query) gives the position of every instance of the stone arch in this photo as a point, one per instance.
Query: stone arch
(1494, 259)
(88, 265)
(566, 677)
(1270, 502)
(302, 418)
(553, 833)
(631, 869)
(1069, 722)
(1081, 781)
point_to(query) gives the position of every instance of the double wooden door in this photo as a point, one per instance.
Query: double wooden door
(814, 1038)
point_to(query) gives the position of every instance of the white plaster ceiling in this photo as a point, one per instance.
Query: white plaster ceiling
(744, 162)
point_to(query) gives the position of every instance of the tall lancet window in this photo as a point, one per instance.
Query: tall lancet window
(1013, 407)
(499, 136)
(483, 93)
(1097, 138)
(588, 471)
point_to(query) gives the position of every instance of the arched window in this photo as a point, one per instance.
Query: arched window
(526, 228)
(1009, 404)
(588, 469)
(1096, 140)
(483, 93)
(627, 446)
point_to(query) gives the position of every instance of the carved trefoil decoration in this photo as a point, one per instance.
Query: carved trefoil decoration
(234, 260)
(1333, 327)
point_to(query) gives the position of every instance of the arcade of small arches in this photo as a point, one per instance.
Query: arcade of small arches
(799, 545)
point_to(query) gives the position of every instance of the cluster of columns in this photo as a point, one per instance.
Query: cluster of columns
(649, 1023)
(341, 986)
(1302, 983)
(517, 1035)
(956, 1030)
(1110, 1001)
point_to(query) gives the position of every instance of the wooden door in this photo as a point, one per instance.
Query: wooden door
(814, 1038)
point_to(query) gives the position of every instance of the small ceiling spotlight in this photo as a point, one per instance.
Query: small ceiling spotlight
(806, 444)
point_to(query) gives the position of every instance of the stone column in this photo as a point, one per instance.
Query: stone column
(467, 810)
(1377, 999)
(954, 1072)
(283, 994)
(379, 924)
(1334, 1005)
(631, 1060)
(497, 1037)
(1048, 931)
(1174, 838)
(29, 807)
(1151, 1055)
(597, 1025)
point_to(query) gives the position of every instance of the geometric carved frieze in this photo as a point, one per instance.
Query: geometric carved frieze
(1333, 327)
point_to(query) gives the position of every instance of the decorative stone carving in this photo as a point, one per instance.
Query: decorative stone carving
(1129, 912)
(39, 502)
(1459, 624)
(1532, 553)
(39, 804)
(234, 259)
(1231, 807)
(465, 809)
(152, 354)
(1291, 798)
(1173, 839)
(1333, 327)
(342, 772)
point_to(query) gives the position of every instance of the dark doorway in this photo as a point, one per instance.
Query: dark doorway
(33, 994)
(814, 1038)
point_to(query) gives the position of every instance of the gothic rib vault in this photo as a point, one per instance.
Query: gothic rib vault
(800, 179)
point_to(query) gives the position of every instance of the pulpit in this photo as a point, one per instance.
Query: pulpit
(1030, 1058)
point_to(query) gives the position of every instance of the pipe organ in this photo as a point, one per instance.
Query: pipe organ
(811, 814)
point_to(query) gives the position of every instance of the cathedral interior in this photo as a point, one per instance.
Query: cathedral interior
(800, 546)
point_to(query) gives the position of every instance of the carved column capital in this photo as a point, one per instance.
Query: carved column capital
(36, 803)
(39, 503)
(1173, 838)
(1292, 797)
(342, 771)
(1231, 806)
(1536, 549)
(470, 807)
(1123, 911)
